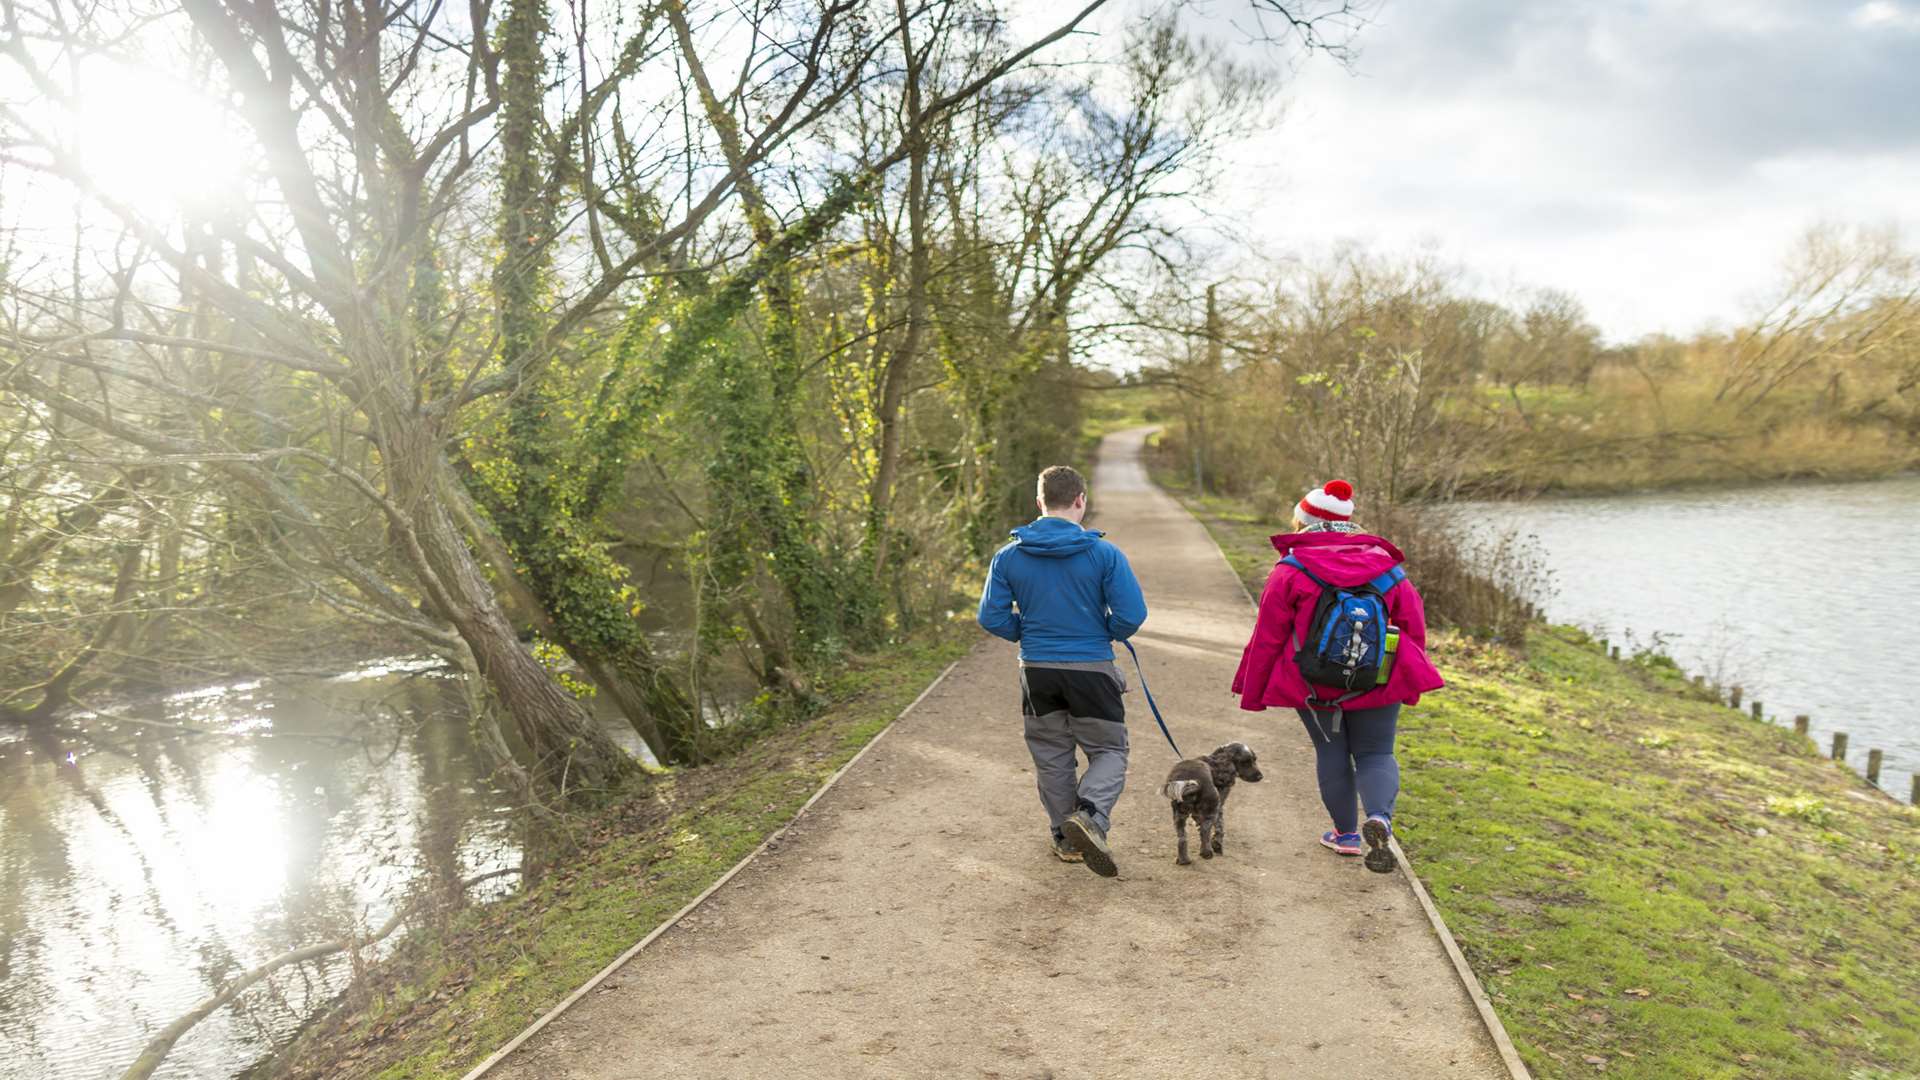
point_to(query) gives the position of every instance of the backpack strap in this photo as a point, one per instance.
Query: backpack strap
(1387, 580)
(1300, 566)
(1295, 563)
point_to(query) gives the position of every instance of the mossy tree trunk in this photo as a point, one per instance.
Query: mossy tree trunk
(565, 560)
(900, 362)
(759, 475)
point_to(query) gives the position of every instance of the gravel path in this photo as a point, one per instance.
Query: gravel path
(913, 925)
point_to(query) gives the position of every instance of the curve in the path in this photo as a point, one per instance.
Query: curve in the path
(912, 924)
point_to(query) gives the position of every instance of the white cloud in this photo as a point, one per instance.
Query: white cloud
(1886, 13)
(1656, 160)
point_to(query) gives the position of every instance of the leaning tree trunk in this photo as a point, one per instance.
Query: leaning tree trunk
(635, 689)
(569, 749)
(760, 468)
(58, 693)
(569, 573)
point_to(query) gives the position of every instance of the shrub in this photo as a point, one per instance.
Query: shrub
(1485, 588)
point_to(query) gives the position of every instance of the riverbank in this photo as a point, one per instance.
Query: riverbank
(1588, 451)
(454, 991)
(1648, 883)
(1700, 476)
(1576, 446)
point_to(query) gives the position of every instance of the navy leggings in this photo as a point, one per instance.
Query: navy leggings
(1359, 755)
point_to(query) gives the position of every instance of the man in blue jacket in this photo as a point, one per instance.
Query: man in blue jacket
(1066, 595)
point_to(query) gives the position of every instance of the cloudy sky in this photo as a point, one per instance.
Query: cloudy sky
(1655, 157)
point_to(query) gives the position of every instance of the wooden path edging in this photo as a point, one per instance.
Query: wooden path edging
(1496, 1031)
(619, 962)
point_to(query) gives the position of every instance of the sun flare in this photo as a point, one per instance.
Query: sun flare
(152, 142)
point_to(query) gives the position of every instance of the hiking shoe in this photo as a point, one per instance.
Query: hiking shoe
(1090, 842)
(1377, 832)
(1064, 851)
(1341, 843)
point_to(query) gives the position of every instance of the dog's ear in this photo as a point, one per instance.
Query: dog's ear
(1180, 789)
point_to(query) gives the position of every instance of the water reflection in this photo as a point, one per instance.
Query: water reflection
(156, 865)
(1802, 593)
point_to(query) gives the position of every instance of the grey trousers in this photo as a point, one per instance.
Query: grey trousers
(1052, 738)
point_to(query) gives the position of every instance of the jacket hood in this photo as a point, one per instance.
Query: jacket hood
(1340, 558)
(1054, 538)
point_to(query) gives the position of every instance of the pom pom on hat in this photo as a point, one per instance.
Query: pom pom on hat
(1333, 501)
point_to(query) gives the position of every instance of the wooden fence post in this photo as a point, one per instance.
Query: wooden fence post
(1756, 710)
(1616, 652)
(1839, 746)
(1800, 724)
(1873, 767)
(1734, 698)
(1603, 646)
(1915, 800)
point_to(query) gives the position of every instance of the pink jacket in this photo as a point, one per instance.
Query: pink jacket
(1268, 675)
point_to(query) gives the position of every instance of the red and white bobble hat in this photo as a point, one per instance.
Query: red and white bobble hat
(1332, 501)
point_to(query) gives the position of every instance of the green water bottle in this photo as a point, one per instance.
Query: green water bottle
(1389, 647)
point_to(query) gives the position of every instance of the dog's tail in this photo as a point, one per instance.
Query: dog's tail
(1180, 789)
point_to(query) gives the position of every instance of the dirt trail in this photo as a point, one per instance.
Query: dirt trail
(913, 925)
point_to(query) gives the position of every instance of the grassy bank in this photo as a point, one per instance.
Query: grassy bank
(1648, 883)
(455, 992)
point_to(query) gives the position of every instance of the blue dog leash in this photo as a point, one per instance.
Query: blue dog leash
(1150, 702)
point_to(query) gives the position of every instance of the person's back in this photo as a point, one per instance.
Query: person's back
(1065, 595)
(1075, 592)
(1352, 732)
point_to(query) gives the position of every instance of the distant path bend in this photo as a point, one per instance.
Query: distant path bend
(849, 951)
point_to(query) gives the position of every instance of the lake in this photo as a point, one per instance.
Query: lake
(1804, 594)
(141, 868)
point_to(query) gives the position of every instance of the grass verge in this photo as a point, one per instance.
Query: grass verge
(1648, 883)
(454, 992)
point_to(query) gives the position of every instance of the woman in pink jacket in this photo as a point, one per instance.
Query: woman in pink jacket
(1353, 740)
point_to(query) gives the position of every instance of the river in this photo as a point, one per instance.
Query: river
(140, 868)
(1804, 594)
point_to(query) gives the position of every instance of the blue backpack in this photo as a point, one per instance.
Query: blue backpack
(1349, 643)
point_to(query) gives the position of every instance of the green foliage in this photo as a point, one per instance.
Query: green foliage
(531, 483)
(554, 659)
(762, 494)
(692, 327)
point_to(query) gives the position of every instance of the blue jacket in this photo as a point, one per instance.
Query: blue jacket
(1076, 593)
